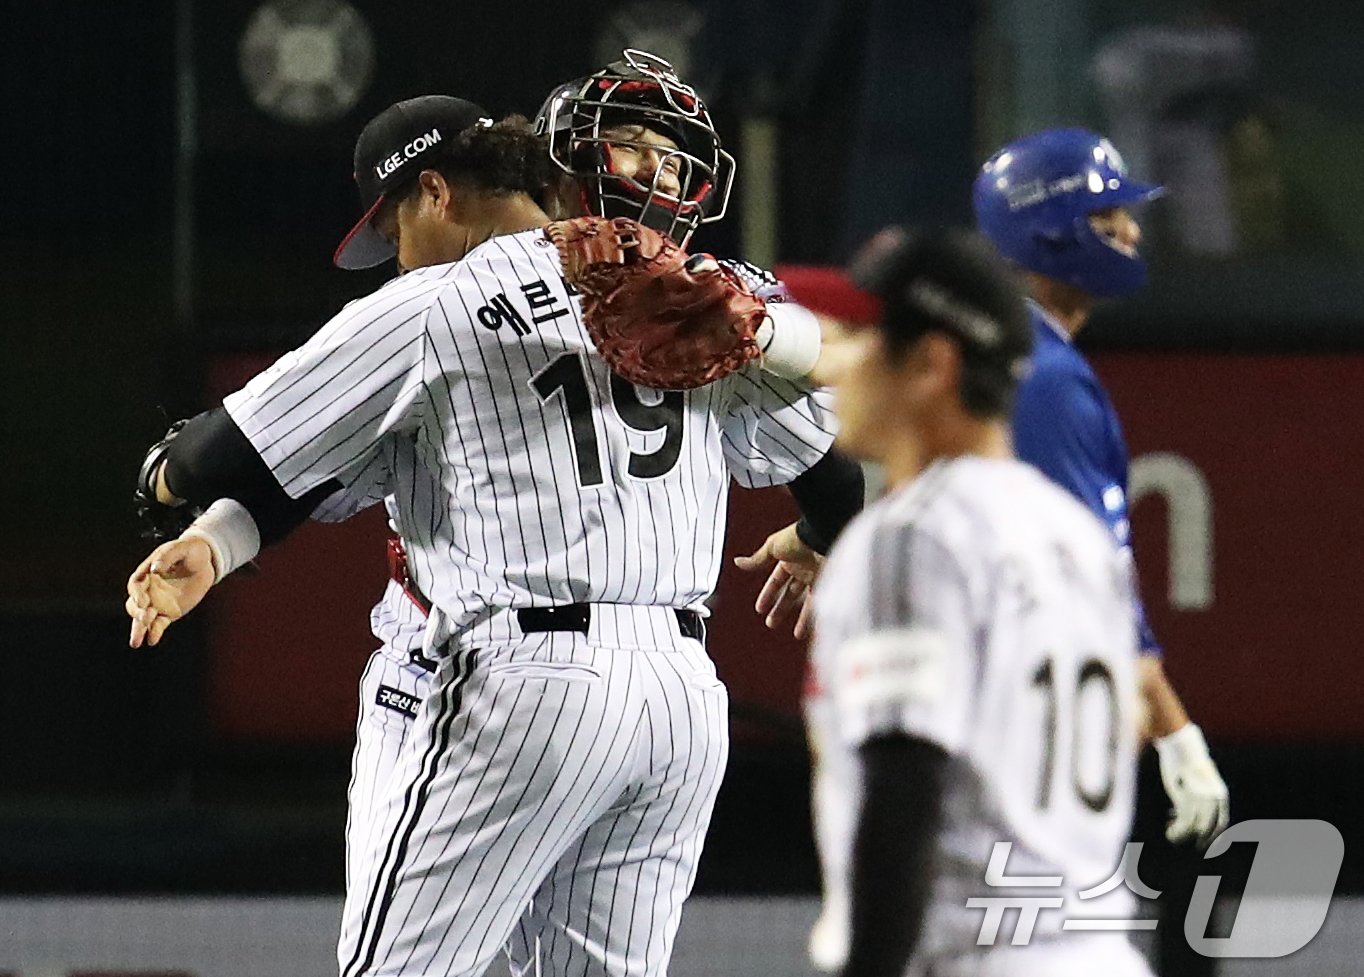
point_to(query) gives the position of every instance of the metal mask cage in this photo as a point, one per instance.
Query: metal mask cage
(651, 96)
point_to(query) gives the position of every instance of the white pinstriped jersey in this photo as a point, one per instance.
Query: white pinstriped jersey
(985, 610)
(522, 471)
(401, 625)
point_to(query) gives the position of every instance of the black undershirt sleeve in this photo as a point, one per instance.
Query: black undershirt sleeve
(829, 493)
(212, 459)
(893, 851)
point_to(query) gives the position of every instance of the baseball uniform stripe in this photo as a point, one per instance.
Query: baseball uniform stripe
(414, 800)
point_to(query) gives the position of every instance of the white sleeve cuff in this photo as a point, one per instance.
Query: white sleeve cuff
(231, 534)
(790, 340)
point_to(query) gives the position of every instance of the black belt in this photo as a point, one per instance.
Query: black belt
(575, 617)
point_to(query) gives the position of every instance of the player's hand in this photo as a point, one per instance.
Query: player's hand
(794, 567)
(1196, 789)
(166, 586)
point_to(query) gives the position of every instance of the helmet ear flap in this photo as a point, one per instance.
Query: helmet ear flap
(1057, 241)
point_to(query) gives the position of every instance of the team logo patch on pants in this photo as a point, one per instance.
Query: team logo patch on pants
(398, 701)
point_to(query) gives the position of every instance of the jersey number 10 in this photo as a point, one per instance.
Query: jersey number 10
(567, 375)
(1094, 677)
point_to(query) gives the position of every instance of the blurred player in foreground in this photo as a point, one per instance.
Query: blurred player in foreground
(1057, 204)
(975, 635)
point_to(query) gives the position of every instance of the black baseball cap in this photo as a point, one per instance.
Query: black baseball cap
(395, 145)
(949, 280)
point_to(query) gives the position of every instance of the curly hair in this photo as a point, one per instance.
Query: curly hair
(504, 158)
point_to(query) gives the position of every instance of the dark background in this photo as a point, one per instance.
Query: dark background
(142, 257)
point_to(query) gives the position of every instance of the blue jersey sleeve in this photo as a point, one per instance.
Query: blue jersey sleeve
(1064, 425)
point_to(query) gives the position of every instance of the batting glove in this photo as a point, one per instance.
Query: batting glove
(1196, 789)
(828, 946)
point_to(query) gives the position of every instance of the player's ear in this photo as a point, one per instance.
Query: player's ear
(939, 358)
(436, 191)
(560, 199)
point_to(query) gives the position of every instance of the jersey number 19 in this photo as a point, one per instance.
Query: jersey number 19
(567, 375)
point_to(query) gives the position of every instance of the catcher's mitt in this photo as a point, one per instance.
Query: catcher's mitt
(661, 319)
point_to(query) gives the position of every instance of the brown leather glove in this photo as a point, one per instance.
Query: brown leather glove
(658, 317)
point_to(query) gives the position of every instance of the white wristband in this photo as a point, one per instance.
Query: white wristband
(1184, 744)
(231, 535)
(790, 339)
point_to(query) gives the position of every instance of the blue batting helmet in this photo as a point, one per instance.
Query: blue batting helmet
(1033, 199)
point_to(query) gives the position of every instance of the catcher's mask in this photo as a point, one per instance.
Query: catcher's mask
(640, 90)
